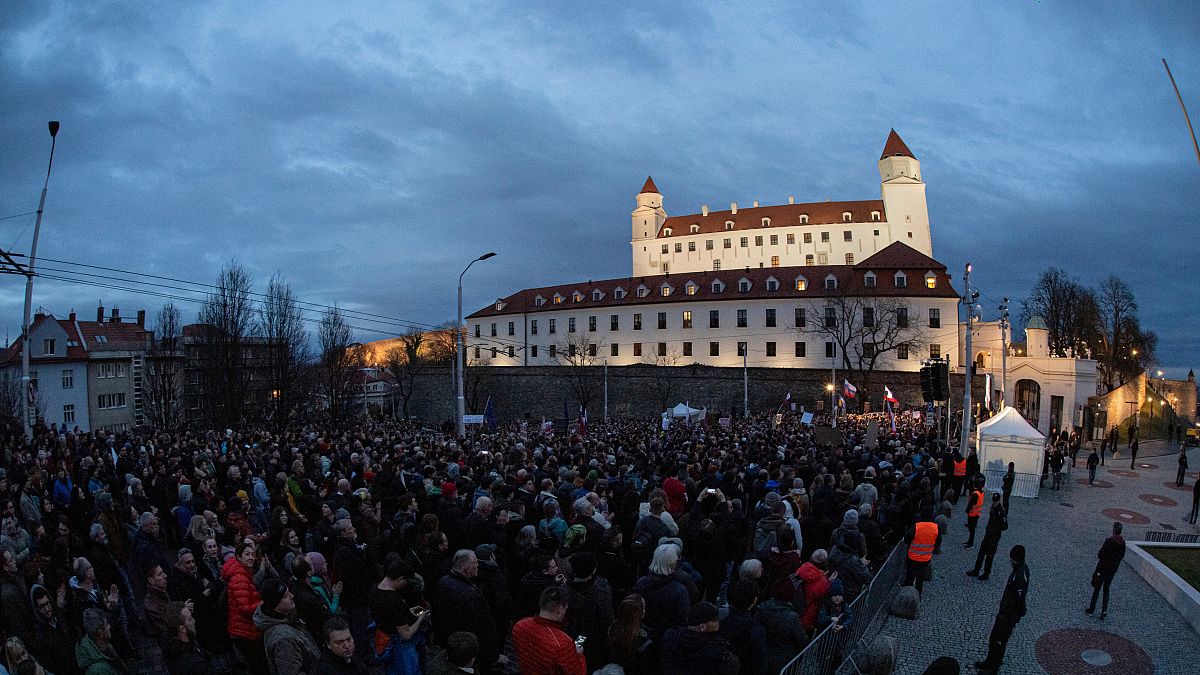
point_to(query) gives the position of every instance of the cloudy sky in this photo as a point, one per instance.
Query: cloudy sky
(367, 151)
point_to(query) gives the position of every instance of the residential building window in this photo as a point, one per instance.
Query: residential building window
(708, 245)
(801, 349)
(847, 236)
(665, 249)
(901, 317)
(846, 217)
(614, 323)
(687, 319)
(69, 413)
(875, 218)
(539, 301)
(741, 318)
(714, 318)
(613, 350)
(493, 329)
(824, 237)
(714, 349)
(831, 317)
(512, 328)
(744, 242)
(808, 259)
(868, 350)
(718, 287)
(533, 351)
(935, 318)
(619, 294)
(728, 243)
(802, 284)
(637, 321)
(110, 401)
(558, 299)
(791, 239)
(868, 317)
(662, 349)
(743, 286)
(477, 329)
(830, 350)
(691, 246)
(770, 349)
(642, 291)
(687, 349)
(690, 289)
(808, 237)
(591, 349)
(803, 218)
(512, 352)
(571, 350)
(666, 290)
(758, 241)
(477, 352)
(849, 258)
(772, 284)
(716, 265)
(770, 318)
(935, 351)
(774, 261)
(830, 283)
(679, 247)
(553, 351)
(637, 349)
(533, 327)
(774, 240)
(591, 324)
(801, 320)
(597, 295)
(902, 351)
(494, 352)
(662, 320)
(68, 379)
(741, 349)
(111, 370)
(571, 324)
(48, 347)
(552, 326)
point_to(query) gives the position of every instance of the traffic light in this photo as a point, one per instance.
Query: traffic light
(927, 383)
(941, 381)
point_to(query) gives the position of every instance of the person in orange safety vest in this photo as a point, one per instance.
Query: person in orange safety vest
(974, 510)
(922, 539)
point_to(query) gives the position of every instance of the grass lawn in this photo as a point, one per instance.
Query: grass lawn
(1183, 561)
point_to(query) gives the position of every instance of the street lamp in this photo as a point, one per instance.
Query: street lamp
(37, 228)
(461, 407)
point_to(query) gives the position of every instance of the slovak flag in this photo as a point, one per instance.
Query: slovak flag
(786, 399)
(582, 421)
(848, 390)
(887, 395)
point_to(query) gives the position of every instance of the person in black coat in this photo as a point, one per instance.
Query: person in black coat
(49, 632)
(357, 574)
(746, 637)
(1012, 608)
(590, 609)
(697, 649)
(1110, 556)
(996, 525)
(459, 606)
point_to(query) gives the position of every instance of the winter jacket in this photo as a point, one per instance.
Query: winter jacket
(1110, 556)
(243, 600)
(188, 658)
(747, 640)
(689, 652)
(459, 605)
(357, 574)
(852, 572)
(289, 647)
(667, 603)
(816, 588)
(544, 649)
(590, 613)
(95, 661)
(784, 635)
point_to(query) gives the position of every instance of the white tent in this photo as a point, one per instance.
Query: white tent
(682, 412)
(1007, 437)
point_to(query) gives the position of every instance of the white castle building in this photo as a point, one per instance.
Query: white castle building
(793, 285)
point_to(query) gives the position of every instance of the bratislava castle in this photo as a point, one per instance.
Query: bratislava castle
(789, 285)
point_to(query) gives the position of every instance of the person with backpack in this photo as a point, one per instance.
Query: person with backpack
(997, 524)
(766, 531)
(650, 529)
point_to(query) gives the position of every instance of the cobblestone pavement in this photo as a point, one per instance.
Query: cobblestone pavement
(1062, 532)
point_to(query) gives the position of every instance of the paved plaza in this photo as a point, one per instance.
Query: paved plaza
(1063, 531)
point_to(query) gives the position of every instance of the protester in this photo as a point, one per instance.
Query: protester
(696, 648)
(541, 645)
(1012, 608)
(1109, 561)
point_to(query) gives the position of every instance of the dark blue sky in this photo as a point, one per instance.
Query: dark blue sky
(367, 154)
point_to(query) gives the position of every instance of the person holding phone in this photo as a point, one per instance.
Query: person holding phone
(399, 621)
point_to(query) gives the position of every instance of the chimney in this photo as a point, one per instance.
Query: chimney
(791, 199)
(756, 203)
(116, 315)
(37, 316)
(704, 209)
(733, 208)
(100, 313)
(141, 318)
(71, 316)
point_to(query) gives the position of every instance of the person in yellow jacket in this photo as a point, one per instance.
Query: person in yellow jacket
(922, 538)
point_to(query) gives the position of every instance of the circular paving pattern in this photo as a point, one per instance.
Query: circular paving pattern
(1147, 466)
(1099, 483)
(1124, 473)
(1090, 652)
(1158, 500)
(1172, 486)
(1126, 516)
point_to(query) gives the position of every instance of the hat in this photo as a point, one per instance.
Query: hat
(449, 489)
(836, 588)
(850, 517)
(485, 551)
(870, 472)
(701, 613)
(772, 484)
(272, 592)
(772, 498)
(819, 556)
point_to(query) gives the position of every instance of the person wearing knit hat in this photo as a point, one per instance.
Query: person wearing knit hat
(289, 646)
(696, 643)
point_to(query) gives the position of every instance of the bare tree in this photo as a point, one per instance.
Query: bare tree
(577, 358)
(287, 349)
(1070, 310)
(10, 399)
(164, 368)
(341, 366)
(1121, 339)
(407, 361)
(663, 380)
(228, 314)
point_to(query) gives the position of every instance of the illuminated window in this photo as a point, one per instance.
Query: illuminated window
(666, 290)
(930, 281)
(774, 261)
(716, 265)
(687, 319)
(935, 351)
(558, 299)
(690, 289)
(808, 259)
(801, 284)
(849, 258)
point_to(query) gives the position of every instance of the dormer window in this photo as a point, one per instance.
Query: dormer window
(801, 284)
(901, 280)
(539, 301)
(499, 305)
(597, 295)
(718, 287)
(694, 228)
(831, 282)
(690, 288)
(772, 284)
(666, 290)
(875, 216)
(618, 293)
(558, 298)
(577, 297)
(766, 222)
(744, 285)
(930, 280)
(666, 231)
(803, 218)
(847, 216)
(869, 280)
(642, 291)
(729, 225)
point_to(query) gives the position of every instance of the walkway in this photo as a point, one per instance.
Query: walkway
(1062, 531)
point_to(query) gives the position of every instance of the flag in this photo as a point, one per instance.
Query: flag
(786, 400)
(848, 390)
(489, 414)
(887, 395)
(582, 421)
(547, 426)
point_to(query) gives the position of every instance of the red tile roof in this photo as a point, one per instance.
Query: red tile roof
(850, 282)
(115, 334)
(649, 186)
(895, 147)
(782, 215)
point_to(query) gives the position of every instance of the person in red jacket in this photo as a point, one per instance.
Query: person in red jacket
(816, 588)
(541, 645)
(238, 573)
(676, 491)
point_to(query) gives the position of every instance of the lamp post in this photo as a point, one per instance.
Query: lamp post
(968, 300)
(37, 228)
(460, 402)
(1004, 353)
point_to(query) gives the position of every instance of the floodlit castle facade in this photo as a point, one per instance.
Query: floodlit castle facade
(793, 285)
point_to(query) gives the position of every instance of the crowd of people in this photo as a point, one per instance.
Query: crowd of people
(397, 548)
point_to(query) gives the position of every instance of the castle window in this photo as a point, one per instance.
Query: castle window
(803, 218)
(708, 245)
(901, 280)
(718, 287)
(597, 295)
(618, 293)
(766, 222)
(801, 284)
(744, 286)
(791, 239)
(772, 283)
(729, 225)
(831, 282)
(824, 237)
(728, 243)
(849, 258)
(846, 217)
(666, 249)
(808, 259)
(774, 261)
(847, 236)
(930, 280)
(808, 237)
(577, 297)
(774, 240)
(642, 291)
(876, 233)
(869, 280)
(690, 289)
(875, 216)
(558, 299)
(744, 242)
(666, 290)
(716, 265)
(691, 246)
(679, 247)
(666, 231)
(693, 228)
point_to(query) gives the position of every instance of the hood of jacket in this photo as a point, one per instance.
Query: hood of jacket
(232, 568)
(264, 621)
(654, 582)
(809, 573)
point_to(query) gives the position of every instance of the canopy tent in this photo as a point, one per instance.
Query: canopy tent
(1007, 437)
(683, 411)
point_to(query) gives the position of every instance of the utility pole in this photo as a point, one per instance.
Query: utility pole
(968, 299)
(833, 384)
(605, 390)
(1004, 353)
(745, 380)
(26, 391)
(1186, 117)
(460, 356)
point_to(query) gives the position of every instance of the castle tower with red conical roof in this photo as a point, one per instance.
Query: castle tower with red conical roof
(648, 219)
(904, 195)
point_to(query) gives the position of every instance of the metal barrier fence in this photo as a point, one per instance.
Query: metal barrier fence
(831, 649)
(1024, 485)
